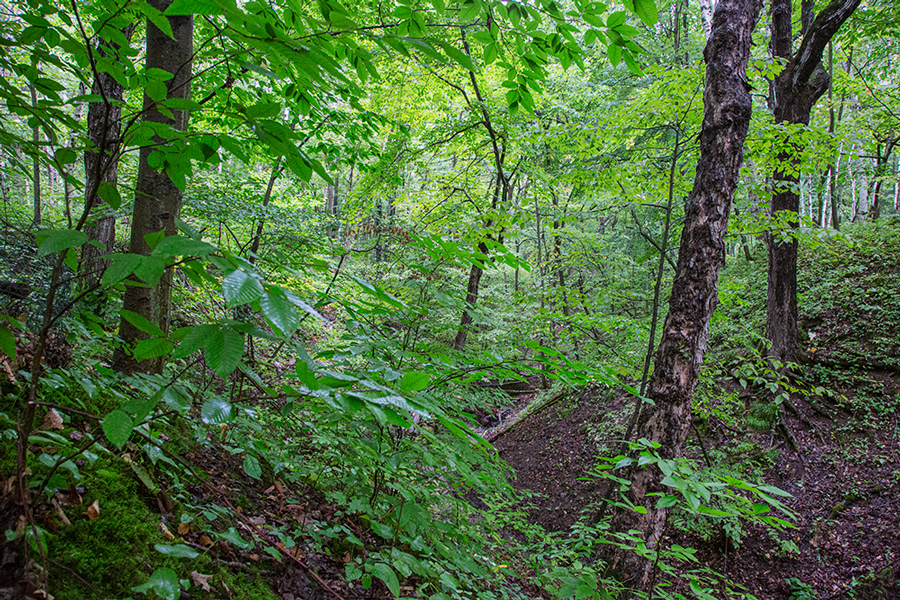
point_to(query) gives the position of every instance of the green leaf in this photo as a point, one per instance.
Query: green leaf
(239, 287)
(152, 348)
(65, 156)
(194, 7)
(141, 405)
(150, 270)
(7, 342)
(142, 323)
(117, 426)
(109, 194)
(306, 375)
(120, 267)
(156, 90)
(235, 538)
(51, 241)
(667, 501)
(414, 381)
(179, 245)
(163, 582)
(194, 339)
(263, 110)
(456, 54)
(278, 309)
(251, 467)
(646, 10)
(387, 575)
(615, 19)
(224, 351)
(156, 17)
(177, 550)
(217, 411)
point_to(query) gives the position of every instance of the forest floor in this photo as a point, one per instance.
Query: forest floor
(843, 474)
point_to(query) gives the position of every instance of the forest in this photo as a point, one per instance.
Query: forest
(449, 299)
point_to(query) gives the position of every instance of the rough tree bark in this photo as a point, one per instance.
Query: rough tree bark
(797, 88)
(101, 165)
(726, 118)
(157, 200)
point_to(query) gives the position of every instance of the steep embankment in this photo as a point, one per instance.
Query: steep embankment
(833, 443)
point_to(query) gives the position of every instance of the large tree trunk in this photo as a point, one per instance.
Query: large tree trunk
(157, 200)
(797, 88)
(726, 118)
(101, 165)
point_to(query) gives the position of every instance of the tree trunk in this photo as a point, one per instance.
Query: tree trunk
(726, 118)
(36, 164)
(101, 165)
(465, 321)
(157, 200)
(796, 90)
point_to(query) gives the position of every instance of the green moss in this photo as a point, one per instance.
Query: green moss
(116, 552)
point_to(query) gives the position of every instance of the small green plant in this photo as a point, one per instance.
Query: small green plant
(800, 590)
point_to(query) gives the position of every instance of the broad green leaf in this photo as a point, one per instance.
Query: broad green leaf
(263, 110)
(615, 19)
(65, 156)
(224, 351)
(163, 582)
(456, 54)
(239, 287)
(141, 405)
(194, 339)
(194, 7)
(179, 245)
(177, 550)
(153, 348)
(109, 194)
(646, 10)
(217, 411)
(150, 270)
(382, 530)
(251, 467)
(414, 381)
(278, 309)
(51, 241)
(7, 342)
(306, 375)
(235, 538)
(120, 267)
(117, 426)
(142, 323)
(156, 90)
(387, 575)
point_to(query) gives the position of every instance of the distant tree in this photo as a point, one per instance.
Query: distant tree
(101, 160)
(796, 90)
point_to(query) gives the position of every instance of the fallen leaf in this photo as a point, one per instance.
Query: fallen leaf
(52, 420)
(254, 557)
(165, 531)
(201, 580)
(205, 541)
(93, 511)
(184, 528)
(278, 487)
